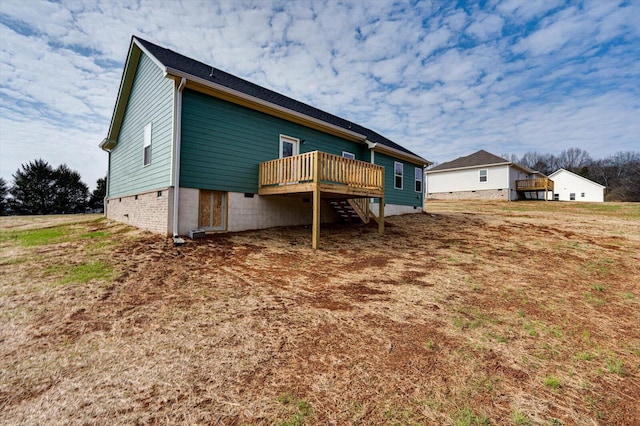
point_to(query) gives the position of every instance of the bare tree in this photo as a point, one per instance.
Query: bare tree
(575, 160)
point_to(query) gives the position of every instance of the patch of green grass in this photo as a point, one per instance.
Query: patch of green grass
(39, 237)
(552, 382)
(597, 287)
(95, 234)
(628, 295)
(498, 337)
(466, 417)
(594, 300)
(555, 422)
(586, 356)
(531, 330)
(615, 366)
(82, 273)
(303, 407)
(521, 419)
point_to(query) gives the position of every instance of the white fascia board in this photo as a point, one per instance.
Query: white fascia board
(135, 50)
(384, 149)
(220, 88)
(153, 58)
(471, 167)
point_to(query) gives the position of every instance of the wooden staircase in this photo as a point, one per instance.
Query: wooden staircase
(351, 210)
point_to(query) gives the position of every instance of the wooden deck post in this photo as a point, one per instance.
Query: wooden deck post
(546, 189)
(381, 205)
(381, 216)
(315, 233)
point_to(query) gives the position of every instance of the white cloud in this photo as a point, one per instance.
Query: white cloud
(485, 26)
(440, 80)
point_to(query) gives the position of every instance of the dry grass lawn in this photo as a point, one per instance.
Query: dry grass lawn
(476, 313)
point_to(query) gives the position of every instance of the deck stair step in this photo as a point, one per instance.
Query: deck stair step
(344, 211)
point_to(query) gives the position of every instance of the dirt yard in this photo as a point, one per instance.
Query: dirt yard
(475, 313)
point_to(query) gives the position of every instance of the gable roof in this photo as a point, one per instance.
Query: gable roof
(477, 159)
(576, 175)
(203, 77)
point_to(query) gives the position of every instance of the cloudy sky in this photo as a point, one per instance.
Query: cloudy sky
(442, 78)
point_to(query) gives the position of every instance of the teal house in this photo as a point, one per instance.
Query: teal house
(193, 147)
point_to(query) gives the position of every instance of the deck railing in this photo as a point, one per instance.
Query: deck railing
(332, 169)
(537, 184)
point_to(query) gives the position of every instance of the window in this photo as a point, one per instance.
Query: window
(582, 195)
(572, 196)
(147, 144)
(289, 146)
(397, 171)
(484, 174)
(556, 197)
(418, 179)
(349, 155)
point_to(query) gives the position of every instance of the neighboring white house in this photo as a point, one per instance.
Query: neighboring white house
(481, 175)
(569, 186)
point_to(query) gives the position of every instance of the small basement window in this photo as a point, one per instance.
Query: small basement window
(582, 195)
(572, 196)
(397, 172)
(147, 145)
(418, 171)
(484, 174)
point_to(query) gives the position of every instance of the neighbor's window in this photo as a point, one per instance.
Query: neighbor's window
(397, 171)
(572, 196)
(147, 144)
(582, 195)
(483, 175)
(418, 179)
(349, 155)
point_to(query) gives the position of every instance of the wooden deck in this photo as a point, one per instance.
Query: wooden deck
(335, 176)
(322, 175)
(535, 185)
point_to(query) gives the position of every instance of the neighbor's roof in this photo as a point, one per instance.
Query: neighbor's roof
(205, 75)
(477, 159)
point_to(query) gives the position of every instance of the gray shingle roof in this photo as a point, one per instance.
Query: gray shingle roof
(480, 158)
(198, 69)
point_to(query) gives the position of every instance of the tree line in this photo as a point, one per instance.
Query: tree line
(38, 188)
(619, 173)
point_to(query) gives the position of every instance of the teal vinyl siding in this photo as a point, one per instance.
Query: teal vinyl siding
(150, 101)
(407, 196)
(223, 143)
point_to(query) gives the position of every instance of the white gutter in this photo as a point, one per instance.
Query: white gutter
(176, 164)
(396, 152)
(469, 167)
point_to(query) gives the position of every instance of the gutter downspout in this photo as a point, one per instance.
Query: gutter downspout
(176, 165)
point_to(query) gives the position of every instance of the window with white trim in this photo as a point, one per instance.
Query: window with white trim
(419, 176)
(582, 195)
(484, 175)
(289, 146)
(147, 145)
(572, 196)
(349, 155)
(397, 173)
